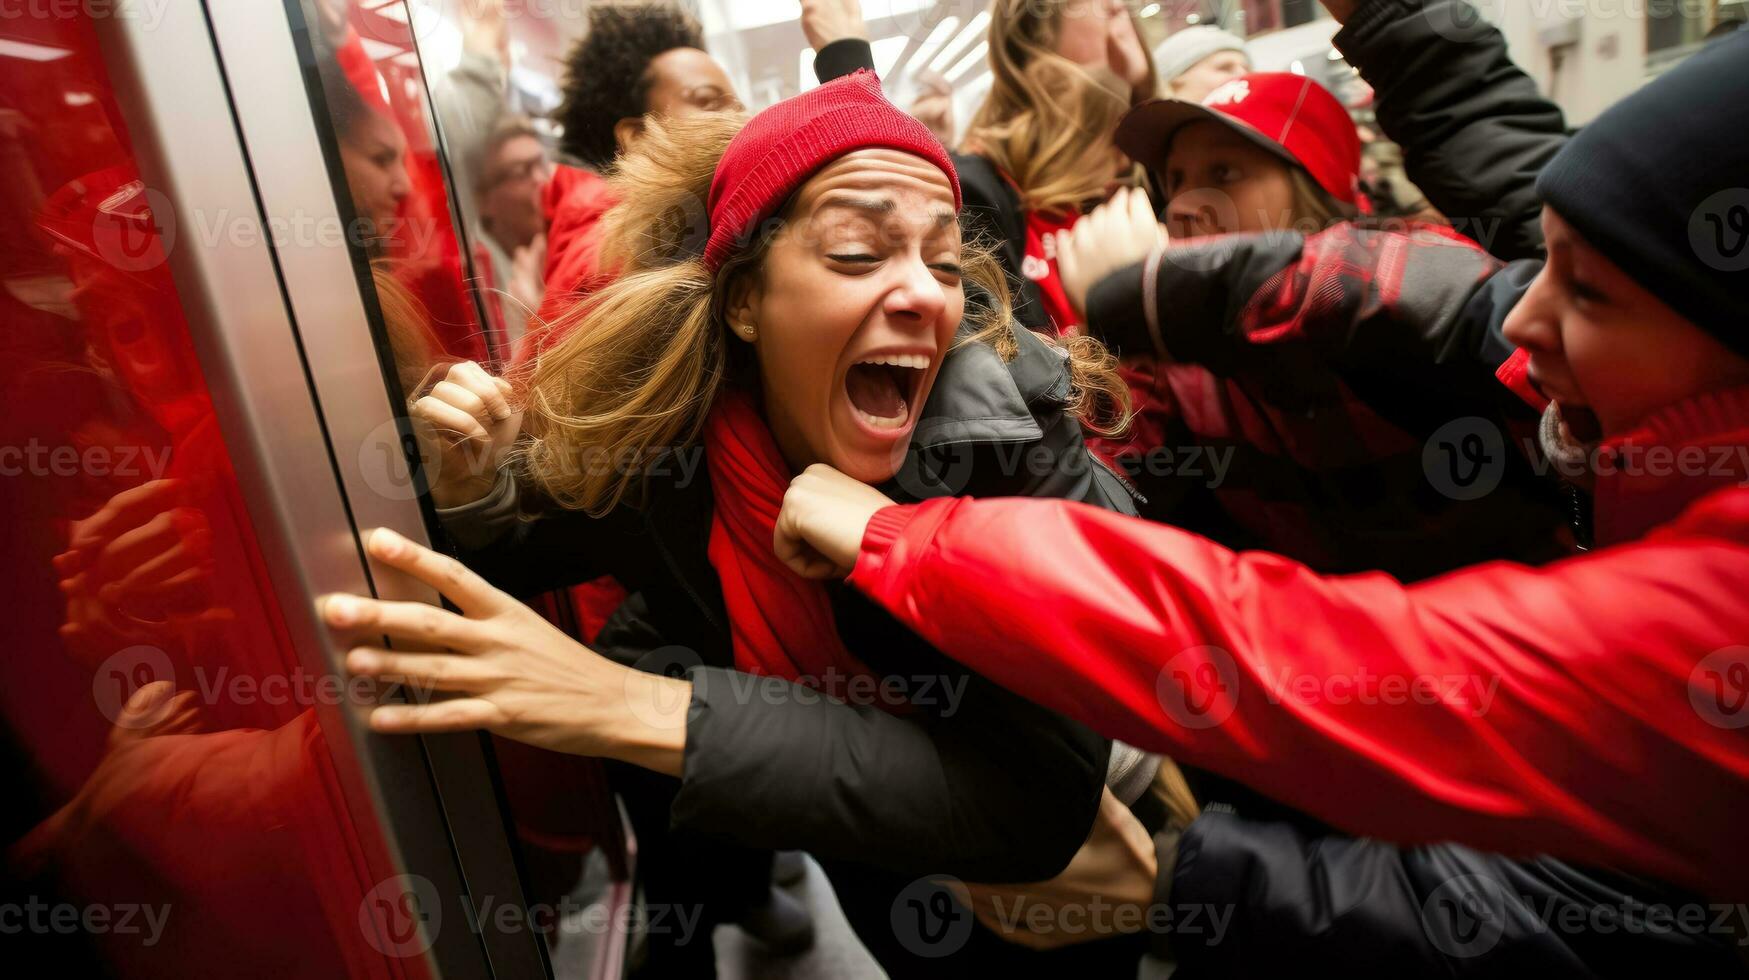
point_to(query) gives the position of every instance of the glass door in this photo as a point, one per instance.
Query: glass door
(193, 789)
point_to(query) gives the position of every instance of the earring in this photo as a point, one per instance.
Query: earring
(747, 331)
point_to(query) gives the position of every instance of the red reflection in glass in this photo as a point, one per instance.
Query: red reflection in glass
(172, 787)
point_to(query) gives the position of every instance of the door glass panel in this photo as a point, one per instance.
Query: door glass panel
(429, 279)
(430, 122)
(173, 808)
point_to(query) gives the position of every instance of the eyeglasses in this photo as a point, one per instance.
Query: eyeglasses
(531, 168)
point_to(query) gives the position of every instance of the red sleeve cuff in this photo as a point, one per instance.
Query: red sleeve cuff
(878, 539)
(895, 542)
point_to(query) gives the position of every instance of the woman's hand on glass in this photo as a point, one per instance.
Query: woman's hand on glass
(819, 530)
(1120, 232)
(502, 668)
(469, 421)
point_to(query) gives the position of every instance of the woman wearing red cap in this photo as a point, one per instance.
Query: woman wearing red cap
(1314, 457)
(801, 296)
(1263, 152)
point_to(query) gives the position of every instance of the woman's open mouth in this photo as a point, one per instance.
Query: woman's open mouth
(883, 390)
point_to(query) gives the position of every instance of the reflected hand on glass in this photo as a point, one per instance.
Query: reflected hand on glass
(483, 29)
(470, 417)
(155, 709)
(142, 560)
(503, 669)
(934, 104)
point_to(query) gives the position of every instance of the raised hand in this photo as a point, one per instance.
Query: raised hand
(1120, 232)
(469, 418)
(825, 21)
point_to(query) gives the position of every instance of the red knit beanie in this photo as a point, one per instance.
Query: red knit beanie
(786, 144)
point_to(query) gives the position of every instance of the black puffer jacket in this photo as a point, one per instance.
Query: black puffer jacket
(994, 218)
(771, 766)
(1267, 897)
(1475, 131)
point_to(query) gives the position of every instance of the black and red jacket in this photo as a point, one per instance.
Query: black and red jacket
(1332, 386)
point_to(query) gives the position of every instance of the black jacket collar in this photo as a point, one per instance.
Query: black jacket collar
(978, 399)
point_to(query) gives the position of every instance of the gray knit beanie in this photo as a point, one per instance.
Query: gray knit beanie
(1183, 50)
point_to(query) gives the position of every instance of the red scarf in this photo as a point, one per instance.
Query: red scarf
(782, 624)
(1040, 266)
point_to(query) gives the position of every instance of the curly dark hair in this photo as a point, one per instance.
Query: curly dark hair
(607, 75)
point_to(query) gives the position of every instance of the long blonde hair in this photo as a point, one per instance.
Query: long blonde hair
(1313, 205)
(1048, 122)
(642, 360)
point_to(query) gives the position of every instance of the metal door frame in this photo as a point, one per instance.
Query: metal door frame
(285, 341)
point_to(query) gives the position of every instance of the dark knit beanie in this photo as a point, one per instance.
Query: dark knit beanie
(1660, 185)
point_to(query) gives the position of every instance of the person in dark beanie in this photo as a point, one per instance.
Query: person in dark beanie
(1659, 184)
(1617, 728)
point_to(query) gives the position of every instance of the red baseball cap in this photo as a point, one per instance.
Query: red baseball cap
(1289, 115)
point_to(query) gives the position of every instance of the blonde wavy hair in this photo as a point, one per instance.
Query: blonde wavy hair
(1048, 122)
(1315, 205)
(642, 360)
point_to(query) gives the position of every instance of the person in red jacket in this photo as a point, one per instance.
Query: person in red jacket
(633, 63)
(1594, 708)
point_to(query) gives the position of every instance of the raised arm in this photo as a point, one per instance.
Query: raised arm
(1418, 301)
(1475, 131)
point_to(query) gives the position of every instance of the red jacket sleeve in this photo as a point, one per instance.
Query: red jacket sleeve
(1512, 708)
